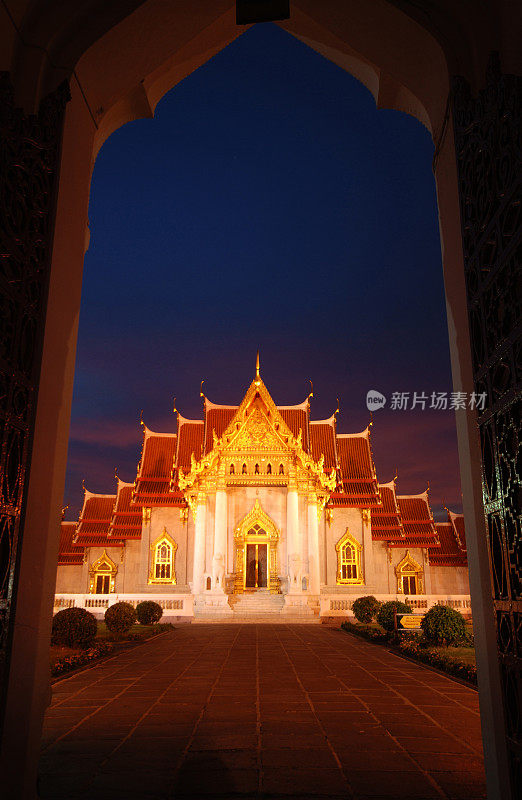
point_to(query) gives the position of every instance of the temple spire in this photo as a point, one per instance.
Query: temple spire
(257, 367)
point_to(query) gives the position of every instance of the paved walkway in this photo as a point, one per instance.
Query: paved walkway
(251, 711)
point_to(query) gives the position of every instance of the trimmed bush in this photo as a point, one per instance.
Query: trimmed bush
(386, 617)
(148, 612)
(74, 627)
(120, 618)
(365, 608)
(443, 625)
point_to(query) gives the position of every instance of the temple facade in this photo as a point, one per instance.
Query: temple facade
(258, 510)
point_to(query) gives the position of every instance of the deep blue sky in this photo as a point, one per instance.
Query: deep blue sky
(267, 205)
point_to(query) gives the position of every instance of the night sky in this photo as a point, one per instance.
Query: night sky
(267, 205)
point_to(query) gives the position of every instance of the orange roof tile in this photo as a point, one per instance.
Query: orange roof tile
(417, 521)
(457, 521)
(69, 553)
(297, 420)
(386, 519)
(95, 518)
(451, 552)
(217, 419)
(322, 442)
(357, 480)
(190, 440)
(126, 518)
(155, 469)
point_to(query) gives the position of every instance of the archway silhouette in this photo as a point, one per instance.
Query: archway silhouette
(120, 63)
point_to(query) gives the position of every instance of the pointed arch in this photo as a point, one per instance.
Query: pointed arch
(410, 576)
(163, 559)
(102, 575)
(349, 566)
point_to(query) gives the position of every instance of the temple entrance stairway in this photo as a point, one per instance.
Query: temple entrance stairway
(262, 606)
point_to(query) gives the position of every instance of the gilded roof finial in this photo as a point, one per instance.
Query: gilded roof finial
(141, 419)
(174, 409)
(64, 509)
(371, 419)
(83, 485)
(257, 366)
(201, 389)
(338, 407)
(116, 473)
(428, 486)
(396, 474)
(311, 390)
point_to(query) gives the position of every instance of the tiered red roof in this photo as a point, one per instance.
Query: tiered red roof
(399, 520)
(155, 470)
(126, 517)
(452, 550)
(417, 522)
(386, 519)
(191, 434)
(358, 481)
(95, 519)
(69, 553)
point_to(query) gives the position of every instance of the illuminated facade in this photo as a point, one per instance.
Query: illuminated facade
(257, 509)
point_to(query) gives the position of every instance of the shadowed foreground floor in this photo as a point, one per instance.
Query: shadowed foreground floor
(256, 711)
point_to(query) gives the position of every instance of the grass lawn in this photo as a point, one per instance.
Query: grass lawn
(465, 654)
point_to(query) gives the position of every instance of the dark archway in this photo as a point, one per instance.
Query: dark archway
(118, 59)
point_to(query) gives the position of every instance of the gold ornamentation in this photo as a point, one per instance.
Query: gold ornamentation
(410, 570)
(257, 435)
(146, 514)
(366, 516)
(256, 528)
(105, 570)
(349, 551)
(163, 559)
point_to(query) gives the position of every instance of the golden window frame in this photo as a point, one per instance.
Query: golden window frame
(348, 541)
(408, 567)
(164, 539)
(97, 568)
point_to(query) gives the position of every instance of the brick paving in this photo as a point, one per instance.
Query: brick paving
(261, 711)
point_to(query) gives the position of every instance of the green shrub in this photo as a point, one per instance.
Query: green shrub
(443, 625)
(74, 627)
(365, 608)
(385, 615)
(120, 618)
(148, 612)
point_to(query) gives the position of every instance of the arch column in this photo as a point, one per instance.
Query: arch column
(219, 565)
(292, 531)
(314, 513)
(199, 543)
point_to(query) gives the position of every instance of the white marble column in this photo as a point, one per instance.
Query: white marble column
(313, 547)
(427, 571)
(199, 545)
(369, 572)
(293, 549)
(219, 563)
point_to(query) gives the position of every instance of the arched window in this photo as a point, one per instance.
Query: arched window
(163, 555)
(409, 576)
(232, 470)
(269, 469)
(281, 469)
(349, 560)
(102, 575)
(244, 469)
(256, 469)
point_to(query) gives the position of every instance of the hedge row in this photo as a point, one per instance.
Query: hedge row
(434, 658)
(410, 646)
